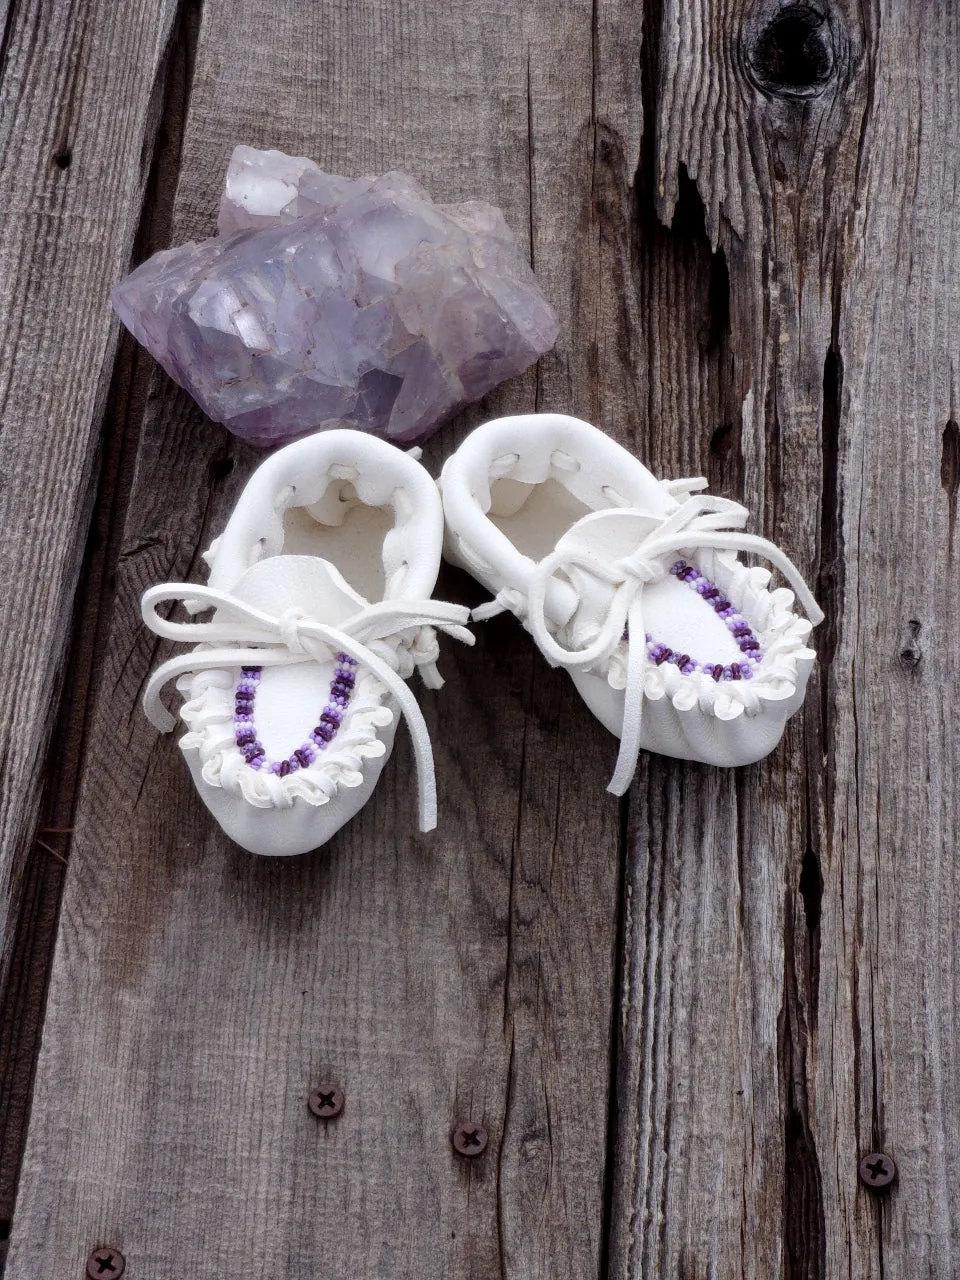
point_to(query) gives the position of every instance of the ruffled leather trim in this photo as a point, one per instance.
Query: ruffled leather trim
(782, 635)
(208, 714)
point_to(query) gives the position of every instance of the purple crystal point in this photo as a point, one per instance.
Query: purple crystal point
(329, 301)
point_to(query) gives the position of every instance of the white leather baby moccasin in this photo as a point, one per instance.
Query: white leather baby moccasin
(320, 589)
(634, 585)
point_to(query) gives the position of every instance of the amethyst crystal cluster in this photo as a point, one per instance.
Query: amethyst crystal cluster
(329, 301)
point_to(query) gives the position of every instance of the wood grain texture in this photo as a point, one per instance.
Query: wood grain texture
(790, 993)
(24, 994)
(198, 993)
(748, 222)
(78, 86)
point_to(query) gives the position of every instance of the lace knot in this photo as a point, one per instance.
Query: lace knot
(288, 629)
(638, 566)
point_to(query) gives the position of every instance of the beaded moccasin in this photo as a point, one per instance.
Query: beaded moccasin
(320, 589)
(633, 585)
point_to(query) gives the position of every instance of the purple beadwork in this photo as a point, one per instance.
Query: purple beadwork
(659, 653)
(331, 717)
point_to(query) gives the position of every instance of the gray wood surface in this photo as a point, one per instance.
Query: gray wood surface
(747, 219)
(198, 993)
(790, 993)
(77, 116)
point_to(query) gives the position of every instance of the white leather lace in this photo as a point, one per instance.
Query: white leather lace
(241, 635)
(698, 522)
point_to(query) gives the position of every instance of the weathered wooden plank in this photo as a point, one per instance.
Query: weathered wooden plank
(791, 958)
(24, 995)
(75, 124)
(198, 993)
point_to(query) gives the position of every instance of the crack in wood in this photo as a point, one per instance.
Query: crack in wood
(804, 1218)
(950, 473)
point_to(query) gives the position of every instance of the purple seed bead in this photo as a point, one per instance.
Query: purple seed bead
(741, 629)
(243, 717)
(745, 672)
(662, 656)
(721, 605)
(711, 593)
(717, 671)
(728, 612)
(735, 671)
(749, 645)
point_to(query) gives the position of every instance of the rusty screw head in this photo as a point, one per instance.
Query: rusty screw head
(326, 1101)
(877, 1170)
(106, 1264)
(470, 1140)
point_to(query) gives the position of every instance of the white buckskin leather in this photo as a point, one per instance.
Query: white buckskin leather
(320, 588)
(635, 586)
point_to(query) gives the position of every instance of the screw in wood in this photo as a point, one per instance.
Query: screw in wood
(877, 1170)
(469, 1140)
(106, 1264)
(326, 1101)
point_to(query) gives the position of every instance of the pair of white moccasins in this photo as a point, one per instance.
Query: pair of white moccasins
(321, 590)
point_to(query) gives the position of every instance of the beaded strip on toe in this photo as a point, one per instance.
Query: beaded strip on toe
(742, 632)
(245, 733)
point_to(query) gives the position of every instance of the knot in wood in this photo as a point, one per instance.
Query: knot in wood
(910, 651)
(792, 52)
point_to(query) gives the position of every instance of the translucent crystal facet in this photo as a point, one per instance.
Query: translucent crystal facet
(330, 301)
